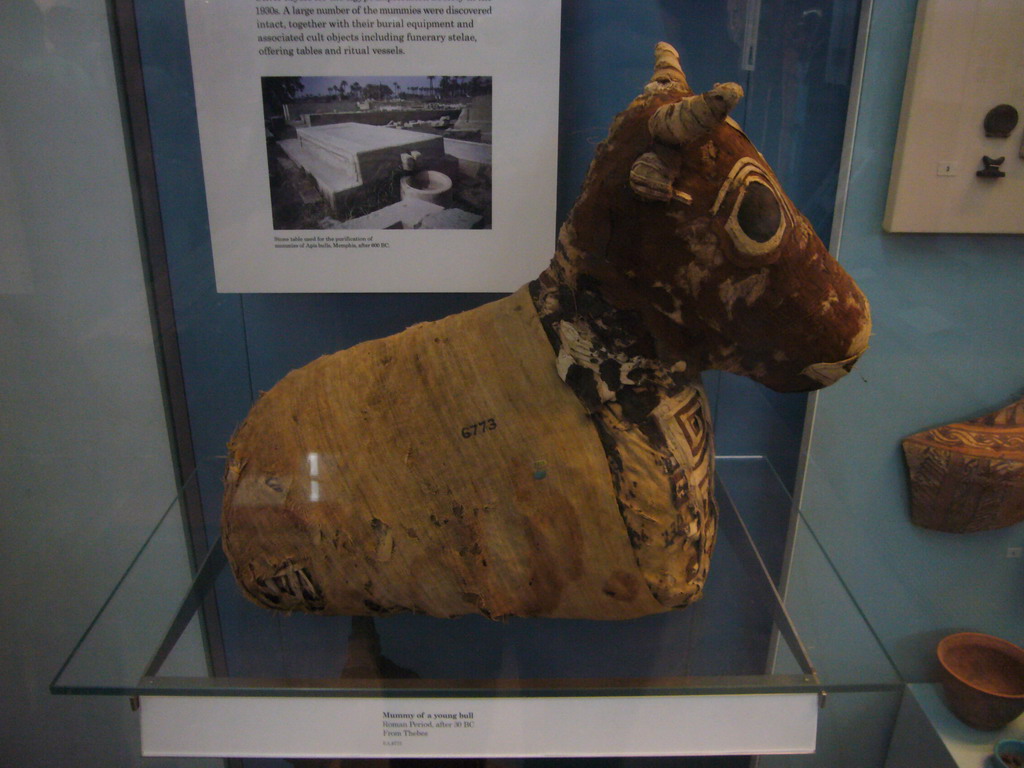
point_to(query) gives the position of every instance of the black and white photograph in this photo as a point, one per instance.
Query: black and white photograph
(379, 153)
(321, 167)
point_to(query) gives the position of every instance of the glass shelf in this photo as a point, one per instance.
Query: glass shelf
(713, 654)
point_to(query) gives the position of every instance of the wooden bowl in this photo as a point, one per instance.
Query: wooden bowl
(983, 679)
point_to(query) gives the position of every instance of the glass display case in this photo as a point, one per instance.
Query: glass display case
(693, 682)
(126, 372)
(728, 676)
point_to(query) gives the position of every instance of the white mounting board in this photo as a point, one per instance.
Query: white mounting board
(546, 726)
(967, 57)
(514, 42)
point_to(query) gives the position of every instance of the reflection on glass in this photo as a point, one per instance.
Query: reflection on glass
(314, 474)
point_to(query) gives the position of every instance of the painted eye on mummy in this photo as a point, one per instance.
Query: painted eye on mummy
(758, 213)
(757, 218)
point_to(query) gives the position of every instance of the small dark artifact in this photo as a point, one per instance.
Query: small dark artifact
(991, 169)
(969, 476)
(1000, 121)
(549, 454)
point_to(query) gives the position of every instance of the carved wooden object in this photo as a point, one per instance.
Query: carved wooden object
(550, 454)
(969, 476)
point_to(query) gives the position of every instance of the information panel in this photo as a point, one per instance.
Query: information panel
(562, 726)
(377, 145)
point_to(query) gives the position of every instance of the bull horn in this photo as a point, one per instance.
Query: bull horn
(693, 116)
(666, 67)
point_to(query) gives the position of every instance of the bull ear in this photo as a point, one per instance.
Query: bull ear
(651, 179)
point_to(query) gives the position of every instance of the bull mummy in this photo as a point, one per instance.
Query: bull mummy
(550, 453)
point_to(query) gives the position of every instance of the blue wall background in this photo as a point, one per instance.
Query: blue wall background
(871, 593)
(234, 346)
(948, 316)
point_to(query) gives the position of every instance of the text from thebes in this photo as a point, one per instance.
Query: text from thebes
(400, 727)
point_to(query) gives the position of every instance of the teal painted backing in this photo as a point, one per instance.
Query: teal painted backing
(948, 336)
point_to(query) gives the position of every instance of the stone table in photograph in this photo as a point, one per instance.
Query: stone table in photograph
(346, 158)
